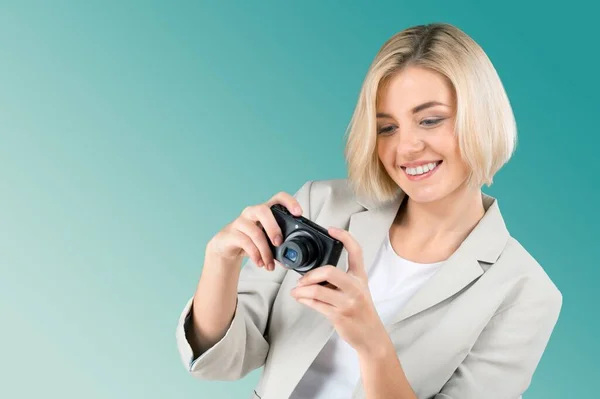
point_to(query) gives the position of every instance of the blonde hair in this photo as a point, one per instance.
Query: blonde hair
(485, 124)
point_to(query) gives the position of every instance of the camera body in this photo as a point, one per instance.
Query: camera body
(306, 245)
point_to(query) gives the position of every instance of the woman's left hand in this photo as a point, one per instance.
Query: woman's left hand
(348, 303)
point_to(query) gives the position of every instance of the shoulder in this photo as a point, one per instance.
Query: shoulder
(334, 189)
(530, 281)
(330, 195)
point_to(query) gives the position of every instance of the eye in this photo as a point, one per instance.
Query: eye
(431, 122)
(386, 130)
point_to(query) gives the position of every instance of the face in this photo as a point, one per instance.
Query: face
(415, 135)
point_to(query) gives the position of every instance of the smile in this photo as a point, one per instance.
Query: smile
(422, 171)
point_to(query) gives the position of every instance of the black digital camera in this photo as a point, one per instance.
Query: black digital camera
(306, 245)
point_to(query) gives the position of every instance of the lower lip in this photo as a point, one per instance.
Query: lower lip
(422, 176)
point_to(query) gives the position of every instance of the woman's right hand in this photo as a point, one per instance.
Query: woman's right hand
(245, 237)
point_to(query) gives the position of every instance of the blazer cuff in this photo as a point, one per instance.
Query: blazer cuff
(215, 353)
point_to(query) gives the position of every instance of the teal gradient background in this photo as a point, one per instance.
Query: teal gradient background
(131, 132)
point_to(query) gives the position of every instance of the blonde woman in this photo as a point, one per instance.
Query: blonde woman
(432, 297)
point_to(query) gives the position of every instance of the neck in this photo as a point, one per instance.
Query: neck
(456, 214)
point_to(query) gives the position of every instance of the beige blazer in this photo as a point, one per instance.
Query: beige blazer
(477, 329)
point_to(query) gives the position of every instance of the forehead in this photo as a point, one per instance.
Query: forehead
(411, 87)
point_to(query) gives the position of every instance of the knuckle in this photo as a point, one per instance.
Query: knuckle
(263, 210)
(352, 303)
(349, 306)
(228, 228)
(275, 196)
(247, 211)
(237, 224)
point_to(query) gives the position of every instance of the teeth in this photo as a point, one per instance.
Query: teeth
(419, 170)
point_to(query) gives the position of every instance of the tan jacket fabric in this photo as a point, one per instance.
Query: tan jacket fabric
(477, 329)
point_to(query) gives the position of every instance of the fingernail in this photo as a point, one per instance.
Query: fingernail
(271, 266)
(298, 210)
(260, 263)
(278, 239)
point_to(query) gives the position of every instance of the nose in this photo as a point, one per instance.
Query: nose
(409, 144)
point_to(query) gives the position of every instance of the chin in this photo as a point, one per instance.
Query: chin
(425, 195)
(432, 193)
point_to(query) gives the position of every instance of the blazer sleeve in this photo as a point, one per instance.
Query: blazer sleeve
(502, 362)
(244, 347)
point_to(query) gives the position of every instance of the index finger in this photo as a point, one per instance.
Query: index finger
(327, 274)
(288, 201)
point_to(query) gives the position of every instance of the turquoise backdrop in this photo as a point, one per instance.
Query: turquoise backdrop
(132, 131)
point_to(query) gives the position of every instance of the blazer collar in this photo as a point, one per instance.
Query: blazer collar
(484, 244)
(486, 241)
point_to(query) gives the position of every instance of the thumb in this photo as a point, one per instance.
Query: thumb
(355, 256)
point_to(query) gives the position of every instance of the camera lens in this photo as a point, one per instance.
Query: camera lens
(291, 254)
(300, 251)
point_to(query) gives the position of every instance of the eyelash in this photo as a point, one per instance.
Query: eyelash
(436, 122)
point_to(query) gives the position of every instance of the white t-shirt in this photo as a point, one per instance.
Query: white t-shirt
(392, 281)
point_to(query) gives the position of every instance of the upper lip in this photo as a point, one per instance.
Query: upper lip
(417, 163)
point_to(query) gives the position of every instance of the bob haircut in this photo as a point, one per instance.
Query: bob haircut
(485, 125)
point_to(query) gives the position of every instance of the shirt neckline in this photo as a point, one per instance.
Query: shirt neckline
(404, 260)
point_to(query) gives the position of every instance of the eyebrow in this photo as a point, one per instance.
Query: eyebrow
(416, 109)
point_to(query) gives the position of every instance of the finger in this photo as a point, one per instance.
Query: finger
(288, 201)
(247, 245)
(321, 307)
(355, 256)
(331, 274)
(258, 238)
(331, 296)
(263, 215)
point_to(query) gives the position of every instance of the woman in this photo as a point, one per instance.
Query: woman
(432, 297)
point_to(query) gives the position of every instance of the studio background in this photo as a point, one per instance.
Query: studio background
(131, 132)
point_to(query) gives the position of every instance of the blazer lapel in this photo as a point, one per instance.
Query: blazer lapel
(484, 244)
(370, 227)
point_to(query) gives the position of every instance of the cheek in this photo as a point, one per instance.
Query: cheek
(459, 165)
(448, 147)
(383, 151)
